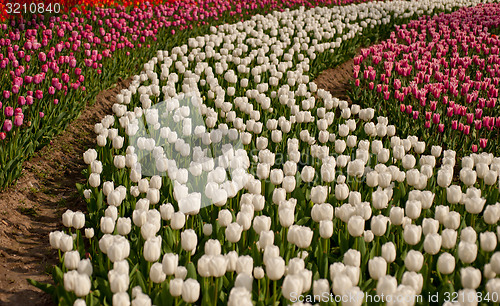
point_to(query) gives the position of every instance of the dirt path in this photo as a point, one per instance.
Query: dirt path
(336, 80)
(32, 208)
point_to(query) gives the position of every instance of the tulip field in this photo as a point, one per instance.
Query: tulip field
(53, 65)
(225, 176)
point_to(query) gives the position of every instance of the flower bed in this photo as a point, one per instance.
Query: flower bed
(438, 77)
(280, 190)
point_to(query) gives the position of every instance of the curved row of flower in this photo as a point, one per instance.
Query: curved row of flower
(322, 198)
(441, 73)
(52, 66)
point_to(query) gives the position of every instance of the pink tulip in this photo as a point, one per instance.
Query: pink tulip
(42, 57)
(470, 118)
(435, 118)
(9, 111)
(441, 128)
(39, 94)
(3, 135)
(433, 105)
(7, 125)
(427, 124)
(483, 142)
(18, 120)
(478, 124)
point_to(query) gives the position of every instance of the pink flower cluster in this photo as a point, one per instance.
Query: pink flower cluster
(443, 71)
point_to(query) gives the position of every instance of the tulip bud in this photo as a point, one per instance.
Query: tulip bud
(377, 267)
(389, 252)
(432, 243)
(467, 252)
(368, 236)
(412, 234)
(470, 277)
(243, 280)
(430, 226)
(387, 285)
(152, 248)
(166, 211)
(320, 287)
(319, 194)
(71, 260)
(169, 263)
(380, 200)
(89, 233)
(225, 218)
(341, 284)
(175, 287)
(189, 240)
(414, 260)
(488, 241)
(233, 232)
(356, 226)
(190, 291)
(396, 215)
(414, 280)
(307, 174)
(326, 229)
(107, 225)
(67, 218)
(275, 268)
(156, 273)
(119, 282)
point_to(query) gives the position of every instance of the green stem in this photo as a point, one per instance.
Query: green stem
(274, 292)
(215, 289)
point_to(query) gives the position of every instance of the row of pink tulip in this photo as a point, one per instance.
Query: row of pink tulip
(441, 72)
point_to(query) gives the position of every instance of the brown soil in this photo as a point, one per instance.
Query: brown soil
(336, 80)
(32, 207)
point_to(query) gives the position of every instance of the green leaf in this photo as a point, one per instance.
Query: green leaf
(191, 271)
(47, 288)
